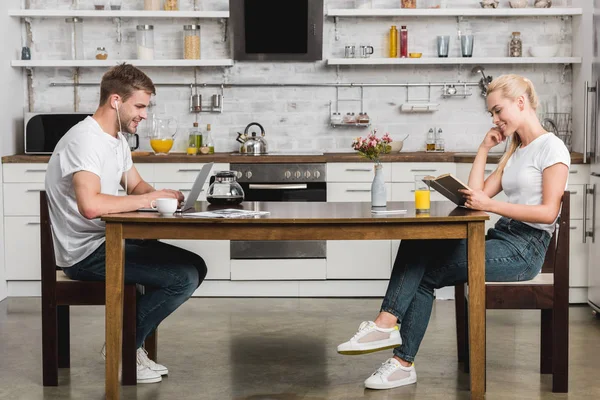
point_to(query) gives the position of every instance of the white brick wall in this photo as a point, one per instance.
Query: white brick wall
(297, 118)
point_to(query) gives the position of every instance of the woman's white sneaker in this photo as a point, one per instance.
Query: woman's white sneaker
(142, 357)
(370, 338)
(391, 374)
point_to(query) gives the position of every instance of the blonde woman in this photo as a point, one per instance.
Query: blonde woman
(533, 174)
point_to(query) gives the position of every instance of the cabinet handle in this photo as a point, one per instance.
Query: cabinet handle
(586, 90)
(423, 170)
(358, 190)
(358, 169)
(488, 171)
(573, 228)
(184, 190)
(573, 171)
(189, 170)
(573, 192)
(34, 190)
(33, 223)
(431, 190)
(35, 170)
(585, 195)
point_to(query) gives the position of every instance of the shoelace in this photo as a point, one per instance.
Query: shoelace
(386, 368)
(144, 359)
(362, 327)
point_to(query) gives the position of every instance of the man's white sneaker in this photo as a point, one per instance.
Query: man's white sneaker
(142, 357)
(391, 374)
(370, 338)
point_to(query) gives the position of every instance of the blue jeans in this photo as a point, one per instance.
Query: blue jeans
(514, 251)
(168, 273)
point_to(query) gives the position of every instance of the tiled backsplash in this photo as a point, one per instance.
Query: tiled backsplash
(297, 118)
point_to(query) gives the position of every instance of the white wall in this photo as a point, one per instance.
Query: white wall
(12, 102)
(297, 118)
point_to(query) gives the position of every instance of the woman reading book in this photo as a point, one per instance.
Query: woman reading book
(532, 173)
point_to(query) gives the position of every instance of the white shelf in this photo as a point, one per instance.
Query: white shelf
(117, 14)
(110, 63)
(457, 60)
(454, 12)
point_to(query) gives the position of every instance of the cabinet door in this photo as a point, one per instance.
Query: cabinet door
(358, 259)
(22, 248)
(22, 198)
(172, 172)
(214, 252)
(21, 173)
(353, 191)
(356, 172)
(578, 257)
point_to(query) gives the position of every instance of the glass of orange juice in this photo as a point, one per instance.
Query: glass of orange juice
(422, 195)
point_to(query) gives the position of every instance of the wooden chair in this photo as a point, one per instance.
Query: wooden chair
(58, 293)
(547, 292)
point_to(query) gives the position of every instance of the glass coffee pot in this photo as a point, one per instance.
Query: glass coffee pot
(225, 190)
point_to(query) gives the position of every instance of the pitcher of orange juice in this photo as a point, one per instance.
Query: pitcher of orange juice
(162, 134)
(422, 195)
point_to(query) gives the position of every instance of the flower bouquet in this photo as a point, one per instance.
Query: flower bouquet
(372, 147)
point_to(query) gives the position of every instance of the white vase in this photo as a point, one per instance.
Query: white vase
(378, 192)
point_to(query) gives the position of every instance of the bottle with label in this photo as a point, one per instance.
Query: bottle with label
(430, 143)
(403, 42)
(208, 146)
(393, 42)
(194, 141)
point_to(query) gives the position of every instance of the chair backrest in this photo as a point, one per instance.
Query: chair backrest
(48, 259)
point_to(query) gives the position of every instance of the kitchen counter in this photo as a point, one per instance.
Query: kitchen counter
(421, 156)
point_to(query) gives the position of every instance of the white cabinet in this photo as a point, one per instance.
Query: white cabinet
(22, 248)
(22, 198)
(24, 173)
(353, 191)
(348, 259)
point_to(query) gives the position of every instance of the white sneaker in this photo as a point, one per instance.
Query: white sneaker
(146, 375)
(142, 357)
(370, 338)
(391, 374)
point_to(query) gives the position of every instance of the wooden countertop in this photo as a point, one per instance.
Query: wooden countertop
(421, 156)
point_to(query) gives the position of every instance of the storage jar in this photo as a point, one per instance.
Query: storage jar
(191, 42)
(145, 42)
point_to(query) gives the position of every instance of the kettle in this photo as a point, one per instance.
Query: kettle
(253, 145)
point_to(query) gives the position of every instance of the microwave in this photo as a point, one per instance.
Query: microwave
(277, 30)
(43, 130)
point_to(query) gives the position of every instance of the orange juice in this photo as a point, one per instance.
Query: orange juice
(161, 146)
(422, 201)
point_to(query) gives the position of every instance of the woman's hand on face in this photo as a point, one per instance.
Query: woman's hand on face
(492, 138)
(476, 199)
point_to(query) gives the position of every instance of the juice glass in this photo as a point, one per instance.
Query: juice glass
(422, 195)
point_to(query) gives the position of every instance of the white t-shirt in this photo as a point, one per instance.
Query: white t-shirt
(85, 147)
(522, 177)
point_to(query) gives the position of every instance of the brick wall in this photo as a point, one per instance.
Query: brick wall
(297, 118)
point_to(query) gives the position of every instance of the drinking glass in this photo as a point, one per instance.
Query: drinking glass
(349, 51)
(466, 45)
(443, 45)
(365, 51)
(422, 195)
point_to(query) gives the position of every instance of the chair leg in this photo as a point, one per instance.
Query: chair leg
(560, 348)
(546, 342)
(129, 376)
(151, 345)
(459, 305)
(467, 363)
(64, 337)
(49, 344)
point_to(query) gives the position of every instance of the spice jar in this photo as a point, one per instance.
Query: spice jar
(336, 118)
(191, 42)
(145, 42)
(152, 5)
(515, 45)
(363, 118)
(171, 5)
(430, 143)
(101, 53)
(75, 38)
(409, 3)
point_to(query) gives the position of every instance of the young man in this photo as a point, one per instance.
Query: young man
(84, 173)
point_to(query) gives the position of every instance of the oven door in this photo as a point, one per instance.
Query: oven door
(311, 191)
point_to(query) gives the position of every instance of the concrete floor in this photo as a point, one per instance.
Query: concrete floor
(285, 349)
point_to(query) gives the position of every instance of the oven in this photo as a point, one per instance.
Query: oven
(281, 182)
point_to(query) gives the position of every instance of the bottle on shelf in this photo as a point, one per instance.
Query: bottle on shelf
(208, 146)
(430, 143)
(515, 46)
(393, 38)
(403, 42)
(439, 141)
(195, 140)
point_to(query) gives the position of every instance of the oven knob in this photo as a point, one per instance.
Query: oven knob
(287, 174)
(238, 174)
(298, 174)
(307, 174)
(249, 174)
(316, 174)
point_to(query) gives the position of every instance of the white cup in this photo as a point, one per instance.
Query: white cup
(165, 207)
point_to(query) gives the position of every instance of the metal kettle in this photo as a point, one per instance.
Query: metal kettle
(253, 145)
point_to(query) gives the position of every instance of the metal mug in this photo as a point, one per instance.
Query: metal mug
(365, 51)
(349, 51)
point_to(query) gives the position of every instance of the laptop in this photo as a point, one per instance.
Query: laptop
(190, 201)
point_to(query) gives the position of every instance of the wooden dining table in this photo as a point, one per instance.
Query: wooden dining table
(301, 221)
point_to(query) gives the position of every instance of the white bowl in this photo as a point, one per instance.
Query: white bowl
(396, 146)
(544, 51)
(517, 3)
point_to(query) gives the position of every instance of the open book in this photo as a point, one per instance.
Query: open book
(447, 185)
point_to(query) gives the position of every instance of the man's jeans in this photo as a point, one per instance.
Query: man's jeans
(514, 251)
(169, 275)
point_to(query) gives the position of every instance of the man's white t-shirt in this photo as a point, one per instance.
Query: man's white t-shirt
(85, 147)
(522, 177)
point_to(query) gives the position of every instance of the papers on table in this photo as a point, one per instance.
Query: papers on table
(227, 213)
(373, 211)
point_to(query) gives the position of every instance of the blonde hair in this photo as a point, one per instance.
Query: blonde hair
(512, 86)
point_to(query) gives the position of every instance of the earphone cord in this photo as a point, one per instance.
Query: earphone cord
(124, 150)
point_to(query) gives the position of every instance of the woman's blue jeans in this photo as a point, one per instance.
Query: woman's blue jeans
(514, 251)
(169, 274)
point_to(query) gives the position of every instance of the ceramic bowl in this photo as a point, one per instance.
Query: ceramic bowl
(489, 3)
(518, 3)
(396, 146)
(415, 55)
(544, 51)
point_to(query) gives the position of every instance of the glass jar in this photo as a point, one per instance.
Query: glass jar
(207, 141)
(152, 5)
(408, 3)
(225, 191)
(191, 42)
(192, 150)
(101, 53)
(430, 143)
(515, 45)
(145, 42)
(75, 38)
(363, 118)
(171, 5)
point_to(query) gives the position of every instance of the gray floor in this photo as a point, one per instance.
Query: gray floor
(285, 349)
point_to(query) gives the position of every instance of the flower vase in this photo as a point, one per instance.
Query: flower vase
(378, 192)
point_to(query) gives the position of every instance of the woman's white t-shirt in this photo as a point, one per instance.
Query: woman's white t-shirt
(85, 147)
(522, 177)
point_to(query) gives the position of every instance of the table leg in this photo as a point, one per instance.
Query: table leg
(115, 259)
(476, 259)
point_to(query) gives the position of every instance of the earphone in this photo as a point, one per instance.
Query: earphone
(116, 103)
